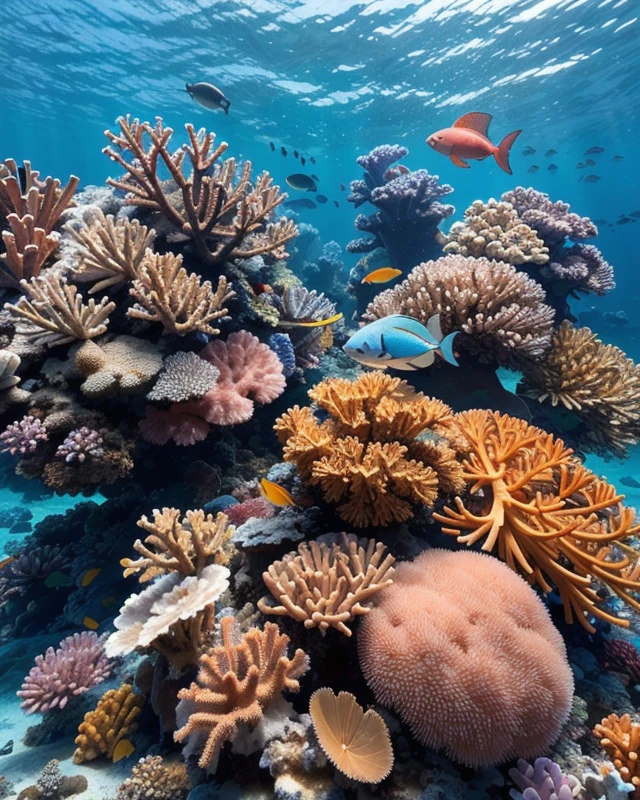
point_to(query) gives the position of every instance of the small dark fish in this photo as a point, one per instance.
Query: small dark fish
(551, 153)
(303, 160)
(336, 204)
(625, 220)
(315, 178)
(312, 160)
(321, 199)
(8, 748)
(552, 168)
(528, 151)
(283, 151)
(590, 162)
(534, 168)
(208, 96)
(618, 158)
(299, 202)
(301, 182)
(629, 480)
(343, 188)
(635, 214)
(592, 179)
(593, 151)
(295, 154)
(272, 146)
(580, 165)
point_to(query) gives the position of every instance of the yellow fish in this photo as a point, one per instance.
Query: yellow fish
(276, 494)
(382, 275)
(123, 749)
(89, 576)
(319, 324)
(90, 623)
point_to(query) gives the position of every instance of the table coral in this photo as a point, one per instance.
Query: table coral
(620, 739)
(113, 719)
(549, 516)
(236, 682)
(381, 451)
(152, 778)
(501, 313)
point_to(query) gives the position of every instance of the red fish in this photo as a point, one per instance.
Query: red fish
(468, 139)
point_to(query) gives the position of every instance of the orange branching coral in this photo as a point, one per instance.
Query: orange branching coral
(176, 544)
(596, 382)
(381, 451)
(550, 517)
(326, 586)
(113, 719)
(620, 739)
(236, 682)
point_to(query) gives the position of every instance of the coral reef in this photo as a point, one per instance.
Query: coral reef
(113, 719)
(554, 222)
(184, 376)
(124, 365)
(543, 781)
(282, 346)
(152, 778)
(23, 436)
(620, 739)
(81, 444)
(53, 785)
(297, 306)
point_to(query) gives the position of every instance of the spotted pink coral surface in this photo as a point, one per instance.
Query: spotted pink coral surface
(79, 663)
(253, 507)
(160, 427)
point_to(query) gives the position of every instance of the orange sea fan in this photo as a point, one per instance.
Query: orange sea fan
(550, 517)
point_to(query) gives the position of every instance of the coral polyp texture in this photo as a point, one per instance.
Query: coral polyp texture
(125, 365)
(549, 517)
(23, 437)
(113, 719)
(620, 739)
(464, 650)
(371, 457)
(152, 778)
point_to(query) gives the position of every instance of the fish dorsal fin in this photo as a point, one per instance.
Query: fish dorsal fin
(433, 326)
(475, 121)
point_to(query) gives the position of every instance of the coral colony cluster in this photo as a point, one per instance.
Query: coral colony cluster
(328, 627)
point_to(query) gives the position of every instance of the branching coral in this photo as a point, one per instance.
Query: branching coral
(299, 305)
(582, 268)
(56, 313)
(53, 785)
(554, 222)
(549, 516)
(620, 739)
(182, 302)
(109, 251)
(152, 778)
(78, 664)
(27, 248)
(236, 682)
(80, 445)
(42, 199)
(22, 437)
(184, 376)
(113, 719)
(125, 365)
(494, 230)
(500, 312)
(380, 452)
(324, 586)
(596, 382)
(225, 214)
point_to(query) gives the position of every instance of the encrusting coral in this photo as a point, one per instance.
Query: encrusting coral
(549, 516)
(113, 719)
(224, 214)
(124, 365)
(237, 681)
(620, 739)
(596, 382)
(152, 779)
(372, 456)
(324, 586)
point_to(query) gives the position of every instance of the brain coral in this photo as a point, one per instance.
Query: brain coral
(476, 667)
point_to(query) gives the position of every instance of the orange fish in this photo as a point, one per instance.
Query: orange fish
(90, 623)
(89, 576)
(382, 275)
(276, 494)
(123, 749)
(468, 139)
(6, 561)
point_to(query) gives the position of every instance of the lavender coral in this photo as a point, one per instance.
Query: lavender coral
(554, 222)
(80, 444)
(78, 664)
(299, 305)
(543, 781)
(22, 437)
(282, 346)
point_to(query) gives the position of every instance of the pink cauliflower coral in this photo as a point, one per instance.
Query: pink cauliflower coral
(78, 664)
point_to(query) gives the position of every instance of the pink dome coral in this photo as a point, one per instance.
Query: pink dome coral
(464, 649)
(78, 664)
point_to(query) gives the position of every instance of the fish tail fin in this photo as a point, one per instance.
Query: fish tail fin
(446, 348)
(502, 153)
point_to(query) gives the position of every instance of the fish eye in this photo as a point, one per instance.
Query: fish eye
(440, 137)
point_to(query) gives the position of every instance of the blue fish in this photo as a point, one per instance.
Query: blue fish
(400, 342)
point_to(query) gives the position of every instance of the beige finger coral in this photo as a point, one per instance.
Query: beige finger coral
(153, 779)
(113, 719)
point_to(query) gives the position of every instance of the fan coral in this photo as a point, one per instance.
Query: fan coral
(494, 230)
(161, 427)
(326, 586)
(248, 369)
(225, 214)
(27, 250)
(124, 365)
(152, 778)
(78, 664)
(500, 312)
(184, 376)
(113, 719)
(23, 436)
(109, 251)
(550, 517)
(80, 444)
(620, 739)
(56, 314)
(552, 221)
(358, 743)
(543, 781)
(186, 546)
(596, 382)
(9, 363)
(236, 682)
(373, 455)
(166, 293)
(466, 652)
(282, 346)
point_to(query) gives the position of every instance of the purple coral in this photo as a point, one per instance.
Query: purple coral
(585, 268)
(78, 664)
(22, 437)
(554, 222)
(542, 781)
(375, 164)
(31, 567)
(80, 444)
(282, 346)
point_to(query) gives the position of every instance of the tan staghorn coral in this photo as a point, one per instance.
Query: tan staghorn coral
(237, 681)
(382, 451)
(56, 313)
(109, 251)
(125, 366)
(500, 312)
(550, 517)
(44, 200)
(225, 214)
(596, 382)
(113, 719)
(166, 293)
(27, 248)
(324, 586)
(152, 779)
(620, 739)
(175, 544)
(494, 230)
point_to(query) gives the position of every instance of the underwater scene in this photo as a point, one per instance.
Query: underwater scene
(319, 400)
